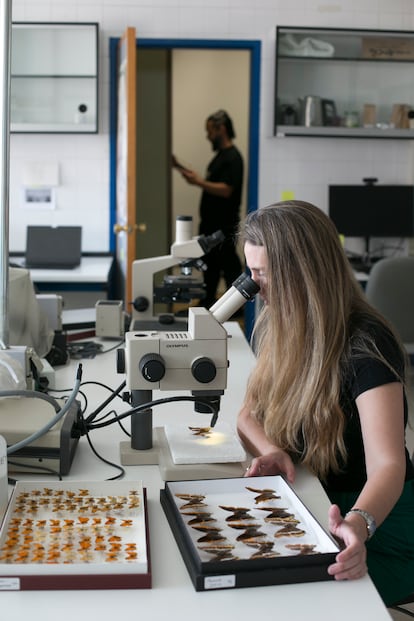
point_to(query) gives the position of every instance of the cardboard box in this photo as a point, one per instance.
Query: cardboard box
(394, 48)
(246, 532)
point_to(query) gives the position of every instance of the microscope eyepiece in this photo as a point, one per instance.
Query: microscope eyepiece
(207, 242)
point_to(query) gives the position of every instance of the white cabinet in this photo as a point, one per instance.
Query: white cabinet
(358, 83)
(54, 78)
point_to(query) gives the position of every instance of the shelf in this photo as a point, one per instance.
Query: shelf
(324, 76)
(345, 59)
(343, 132)
(55, 128)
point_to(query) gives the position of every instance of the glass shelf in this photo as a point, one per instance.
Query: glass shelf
(350, 71)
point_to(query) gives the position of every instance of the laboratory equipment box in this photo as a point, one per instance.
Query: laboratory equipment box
(244, 532)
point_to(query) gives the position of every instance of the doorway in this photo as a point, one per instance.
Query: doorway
(168, 183)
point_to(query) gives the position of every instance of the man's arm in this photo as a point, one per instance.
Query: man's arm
(218, 188)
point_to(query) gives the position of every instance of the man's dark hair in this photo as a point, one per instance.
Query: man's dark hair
(222, 118)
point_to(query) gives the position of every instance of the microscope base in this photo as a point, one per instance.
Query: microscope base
(160, 454)
(134, 457)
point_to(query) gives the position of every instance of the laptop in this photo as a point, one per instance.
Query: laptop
(53, 247)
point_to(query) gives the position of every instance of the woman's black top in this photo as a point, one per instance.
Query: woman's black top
(363, 373)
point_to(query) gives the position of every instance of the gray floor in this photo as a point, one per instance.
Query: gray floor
(398, 616)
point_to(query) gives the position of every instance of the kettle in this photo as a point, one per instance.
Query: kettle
(310, 111)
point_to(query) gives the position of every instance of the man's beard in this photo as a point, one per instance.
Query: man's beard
(216, 144)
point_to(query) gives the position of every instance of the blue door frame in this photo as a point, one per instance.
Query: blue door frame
(253, 150)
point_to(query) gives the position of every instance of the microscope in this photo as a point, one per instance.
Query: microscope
(194, 360)
(186, 252)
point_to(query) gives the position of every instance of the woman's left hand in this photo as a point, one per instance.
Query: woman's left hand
(350, 563)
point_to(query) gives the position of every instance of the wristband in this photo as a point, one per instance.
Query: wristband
(369, 521)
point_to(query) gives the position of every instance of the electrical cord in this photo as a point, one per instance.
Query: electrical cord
(53, 421)
(100, 457)
(99, 409)
(150, 404)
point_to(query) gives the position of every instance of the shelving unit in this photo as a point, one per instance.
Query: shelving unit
(54, 78)
(349, 69)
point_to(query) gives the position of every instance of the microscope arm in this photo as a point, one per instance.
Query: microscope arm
(143, 271)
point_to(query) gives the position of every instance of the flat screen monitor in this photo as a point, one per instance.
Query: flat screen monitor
(372, 210)
(53, 247)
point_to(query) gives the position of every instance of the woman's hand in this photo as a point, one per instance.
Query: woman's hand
(276, 462)
(350, 563)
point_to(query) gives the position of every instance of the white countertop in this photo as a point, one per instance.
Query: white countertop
(173, 596)
(91, 270)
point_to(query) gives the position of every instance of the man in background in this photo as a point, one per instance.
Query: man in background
(220, 202)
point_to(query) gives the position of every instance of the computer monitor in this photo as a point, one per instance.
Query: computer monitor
(53, 247)
(372, 210)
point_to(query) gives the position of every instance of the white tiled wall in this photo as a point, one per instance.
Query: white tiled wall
(304, 166)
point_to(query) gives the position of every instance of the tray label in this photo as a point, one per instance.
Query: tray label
(220, 582)
(9, 584)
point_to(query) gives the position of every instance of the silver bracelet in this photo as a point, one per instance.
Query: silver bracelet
(369, 521)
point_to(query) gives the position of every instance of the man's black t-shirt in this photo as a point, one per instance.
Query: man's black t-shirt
(364, 373)
(217, 212)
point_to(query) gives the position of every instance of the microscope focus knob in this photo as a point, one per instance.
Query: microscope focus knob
(120, 360)
(203, 370)
(141, 304)
(152, 367)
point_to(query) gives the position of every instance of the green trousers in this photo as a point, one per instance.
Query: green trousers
(390, 552)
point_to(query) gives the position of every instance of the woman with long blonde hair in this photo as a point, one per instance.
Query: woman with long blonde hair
(328, 392)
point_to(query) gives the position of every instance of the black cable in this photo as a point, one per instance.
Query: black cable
(114, 394)
(100, 457)
(86, 349)
(105, 351)
(115, 420)
(150, 404)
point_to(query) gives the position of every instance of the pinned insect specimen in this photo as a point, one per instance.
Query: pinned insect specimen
(193, 500)
(278, 515)
(263, 494)
(204, 432)
(264, 549)
(251, 534)
(220, 552)
(199, 517)
(303, 548)
(212, 533)
(239, 513)
(290, 530)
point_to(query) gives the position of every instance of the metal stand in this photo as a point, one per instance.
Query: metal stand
(141, 449)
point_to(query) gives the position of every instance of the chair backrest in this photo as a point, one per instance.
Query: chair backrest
(390, 289)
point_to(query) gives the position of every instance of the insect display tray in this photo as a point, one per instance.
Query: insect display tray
(246, 532)
(75, 535)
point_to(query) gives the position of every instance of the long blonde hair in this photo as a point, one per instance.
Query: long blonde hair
(302, 336)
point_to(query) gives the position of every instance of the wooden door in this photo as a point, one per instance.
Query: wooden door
(126, 227)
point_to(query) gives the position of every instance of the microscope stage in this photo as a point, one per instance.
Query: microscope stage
(161, 454)
(189, 445)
